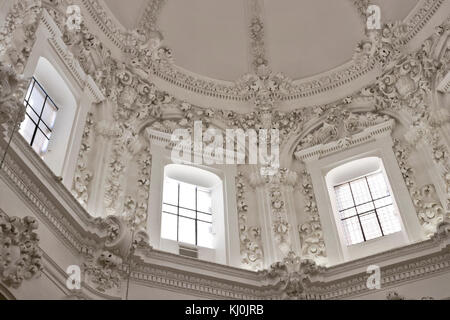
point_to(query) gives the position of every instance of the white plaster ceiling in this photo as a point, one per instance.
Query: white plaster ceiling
(303, 37)
(127, 12)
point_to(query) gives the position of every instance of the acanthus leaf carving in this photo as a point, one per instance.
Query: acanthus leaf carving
(294, 275)
(83, 175)
(12, 91)
(250, 236)
(102, 270)
(339, 124)
(311, 235)
(429, 209)
(20, 255)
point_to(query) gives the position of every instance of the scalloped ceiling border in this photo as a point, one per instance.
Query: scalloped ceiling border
(226, 90)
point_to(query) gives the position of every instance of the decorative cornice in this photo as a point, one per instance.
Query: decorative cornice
(368, 134)
(113, 32)
(72, 64)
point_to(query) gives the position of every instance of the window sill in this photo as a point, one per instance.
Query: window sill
(373, 241)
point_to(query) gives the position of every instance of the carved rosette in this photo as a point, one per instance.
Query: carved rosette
(20, 255)
(249, 236)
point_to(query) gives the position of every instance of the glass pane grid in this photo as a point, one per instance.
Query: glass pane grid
(366, 214)
(190, 206)
(41, 114)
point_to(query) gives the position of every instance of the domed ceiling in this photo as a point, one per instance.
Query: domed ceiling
(301, 38)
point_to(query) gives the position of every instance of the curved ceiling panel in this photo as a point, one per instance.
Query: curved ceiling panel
(310, 36)
(208, 37)
(127, 12)
(302, 37)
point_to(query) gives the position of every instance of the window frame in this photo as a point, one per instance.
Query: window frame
(40, 119)
(178, 207)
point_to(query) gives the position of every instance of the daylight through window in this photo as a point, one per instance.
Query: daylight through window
(187, 214)
(366, 209)
(39, 118)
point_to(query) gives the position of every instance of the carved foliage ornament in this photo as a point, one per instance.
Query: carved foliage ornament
(12, 91)
(280, 226)
(339, 124)
(17, 35)
(293, 276)
(83, 176)
(429, 209)
(102, 270)
(311, 235)
(249, 236)
(20, 255)
(381, 46)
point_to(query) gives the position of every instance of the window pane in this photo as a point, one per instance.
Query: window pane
(389, 221)
(383, 202)
(352, 231)
(187, 213)
(170, 193)
(205, 237)
(204, 217)
(378, 185)
(169, 208)
(370, 226)
(360, 191)
(365, 207)
(186, 232)
(27, 129)
(49, 114)
(187, 196)
(45, 130)
(40, 143)
(344, 197)
(204, 201)
(348, 213)
(169, 226)
(37, 99)
(32, 115)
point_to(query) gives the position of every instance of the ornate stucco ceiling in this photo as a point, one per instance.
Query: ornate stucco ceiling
(301, 38)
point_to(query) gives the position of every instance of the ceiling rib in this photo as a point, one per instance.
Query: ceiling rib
(257, 35)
